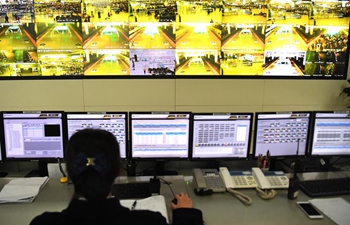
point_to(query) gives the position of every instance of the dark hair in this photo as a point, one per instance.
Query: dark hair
(91, 183)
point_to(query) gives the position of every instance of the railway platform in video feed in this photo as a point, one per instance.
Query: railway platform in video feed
(152, 11)
(18, 63)
(59, 35)
(49, 11)
(17, 36)
(243, 36)
(105, 35)
(61, 62)
(240, 62)
(152, 36)
(106, 62)
(197, 62)
(329, 12)
(288, 12)
(105, 11)
(327, 50)
(199, 11)
(244, 12)
(198, 35)
(16, 11)
(152, 62)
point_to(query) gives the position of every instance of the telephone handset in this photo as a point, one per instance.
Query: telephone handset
(270, 179)
(237, 179)
(208, 179)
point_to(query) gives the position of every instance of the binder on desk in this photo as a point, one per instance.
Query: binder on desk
(22, 190)
(153, 203)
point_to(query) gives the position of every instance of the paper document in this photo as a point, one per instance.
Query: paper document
(22, 189)
(337, 209)
(153, 203)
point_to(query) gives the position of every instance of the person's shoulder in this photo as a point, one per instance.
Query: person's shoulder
(46, 218)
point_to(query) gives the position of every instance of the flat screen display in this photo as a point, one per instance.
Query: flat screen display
(113, 122)
(281, 133)
(221, 136)
(259, 38)
(33, 135)
(159, 135)
(331, 134)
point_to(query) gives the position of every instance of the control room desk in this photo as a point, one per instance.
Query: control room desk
(218, 209)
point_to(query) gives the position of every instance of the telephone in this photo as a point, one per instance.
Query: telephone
(208, 179)
(237, 179)
(270, 179)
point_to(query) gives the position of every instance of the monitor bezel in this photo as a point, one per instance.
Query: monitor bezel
(127, 154)
(163, 159)
(41, 159)
(310, 155)
(223, 158)
(276, 113)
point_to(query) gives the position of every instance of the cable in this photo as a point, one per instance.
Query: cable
(168, 184)
(266, 194)
(242, 197)
(64, 178)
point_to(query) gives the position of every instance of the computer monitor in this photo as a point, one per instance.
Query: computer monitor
(220, 136)
(159, 136)
(34, 135)
(281, 133)
(331, 134)
(114, 122)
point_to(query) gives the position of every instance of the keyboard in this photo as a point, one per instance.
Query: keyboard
(326, 187)
(132, 190)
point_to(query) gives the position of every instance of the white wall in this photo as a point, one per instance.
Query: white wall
(197, 95)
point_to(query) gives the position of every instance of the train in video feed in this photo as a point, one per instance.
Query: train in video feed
(151, 36)
(197, 62)
(152, 62)
(106, 62)
(105, 35)
(198, 36)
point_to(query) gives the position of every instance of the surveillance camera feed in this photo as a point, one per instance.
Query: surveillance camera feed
(227, 38)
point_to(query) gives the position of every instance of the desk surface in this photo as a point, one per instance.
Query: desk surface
(218, 209)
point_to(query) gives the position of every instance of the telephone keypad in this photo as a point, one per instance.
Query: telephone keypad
(215, 183)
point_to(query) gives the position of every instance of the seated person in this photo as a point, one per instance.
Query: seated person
(93, 162)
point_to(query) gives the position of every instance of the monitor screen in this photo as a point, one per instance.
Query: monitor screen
(159, 135)
(221, 136)
(114, 122)
(281, 133)
(331, 134)
(33, 135)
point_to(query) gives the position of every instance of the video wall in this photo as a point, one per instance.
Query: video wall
(254, 38)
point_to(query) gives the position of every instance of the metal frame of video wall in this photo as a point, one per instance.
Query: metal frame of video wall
(181, 39)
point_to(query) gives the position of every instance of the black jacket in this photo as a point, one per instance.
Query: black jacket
(111, 212)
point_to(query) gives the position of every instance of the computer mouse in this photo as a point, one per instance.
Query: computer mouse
(174, 201)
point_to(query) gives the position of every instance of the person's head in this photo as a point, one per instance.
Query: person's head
(93, 162)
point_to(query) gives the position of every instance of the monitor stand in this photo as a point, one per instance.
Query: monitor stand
(159, 170)
(42, 170)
